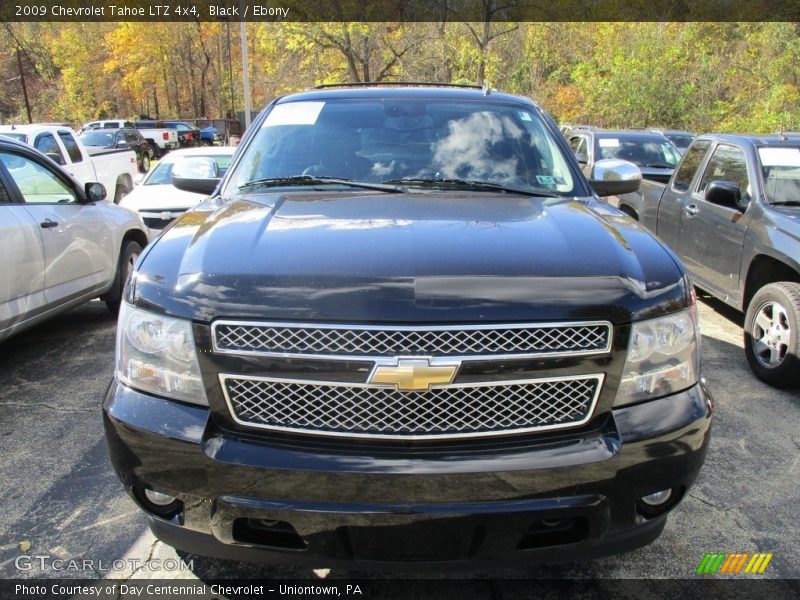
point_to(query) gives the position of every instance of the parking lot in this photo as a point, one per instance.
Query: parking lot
(62, 498)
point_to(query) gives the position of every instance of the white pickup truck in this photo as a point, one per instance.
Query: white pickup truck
(115, 169)
(161, 138)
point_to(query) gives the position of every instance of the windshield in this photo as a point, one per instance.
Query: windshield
(780, 166)
(162, 173)
(17, 136)
(411, 141)
(680, 140)
(643, 152)
(98, 138)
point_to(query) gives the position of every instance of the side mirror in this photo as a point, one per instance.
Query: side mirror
(582, 158)
(724, 193)
(612, 177)
(56, 158)
(95, 192)
(199, 175)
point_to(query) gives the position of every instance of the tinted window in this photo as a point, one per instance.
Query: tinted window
(37, 184)
(422, 141)
(98, 137)
(644, 152)
(71, 145)
(46, 144)
(728, 163)
(691, 162)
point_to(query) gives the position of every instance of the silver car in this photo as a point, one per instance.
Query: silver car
(62, 243)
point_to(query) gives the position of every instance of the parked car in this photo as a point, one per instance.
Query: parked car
(188, 135)
(161, 138)
(680, 139)
(115, 168)
(106, 124)
(120, 138)
(404, 330)
(62, 243)
(209, 136)
(731, 212)
(158, 202)
(655, 156)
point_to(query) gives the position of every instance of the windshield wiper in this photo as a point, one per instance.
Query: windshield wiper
(785, 203)
(659, 166)
(309, 180)
(474, 184)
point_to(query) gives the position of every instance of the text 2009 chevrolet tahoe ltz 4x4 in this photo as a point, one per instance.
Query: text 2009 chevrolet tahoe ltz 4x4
(405, 331)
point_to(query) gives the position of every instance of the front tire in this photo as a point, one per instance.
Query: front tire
(127, 259)
(145, 162)
(771, 337)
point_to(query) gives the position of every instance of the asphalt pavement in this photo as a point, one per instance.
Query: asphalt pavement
(62, 499)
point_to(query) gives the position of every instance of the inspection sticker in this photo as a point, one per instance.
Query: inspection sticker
(294, 113)
(608, 142)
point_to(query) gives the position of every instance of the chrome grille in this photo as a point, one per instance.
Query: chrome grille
(455, 410)
(456, 340)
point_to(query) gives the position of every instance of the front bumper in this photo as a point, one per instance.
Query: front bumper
(563, 498)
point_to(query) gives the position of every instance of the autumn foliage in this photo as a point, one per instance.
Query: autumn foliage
(697, 76)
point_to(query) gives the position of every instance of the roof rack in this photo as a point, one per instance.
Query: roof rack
(782, 135)
(397, 83)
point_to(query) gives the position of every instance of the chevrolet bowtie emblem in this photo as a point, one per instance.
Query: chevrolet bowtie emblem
(410, 375)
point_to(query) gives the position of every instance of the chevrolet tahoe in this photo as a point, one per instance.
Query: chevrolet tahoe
(404, 330)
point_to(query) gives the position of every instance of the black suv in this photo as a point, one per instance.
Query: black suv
(127, 137)
(405, 330)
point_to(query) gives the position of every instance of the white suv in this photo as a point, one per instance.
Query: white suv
(62, 243)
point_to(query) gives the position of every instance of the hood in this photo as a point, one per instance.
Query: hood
(160, 197)
(415, 257)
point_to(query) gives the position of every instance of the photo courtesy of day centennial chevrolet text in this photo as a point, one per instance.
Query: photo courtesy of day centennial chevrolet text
(405, 331)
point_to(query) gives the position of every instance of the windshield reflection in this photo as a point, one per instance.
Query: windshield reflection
(394, 139)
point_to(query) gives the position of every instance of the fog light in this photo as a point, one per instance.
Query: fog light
(658, 498)
(158, 498)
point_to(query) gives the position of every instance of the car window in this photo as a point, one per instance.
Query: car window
(691, 162)
(71, 145)
(643, 152)
(131, 137)
(37, 184)
(391, 139)
(46, 144)
(780, 166)
(98, 137)
(728, 163)
(162, 173)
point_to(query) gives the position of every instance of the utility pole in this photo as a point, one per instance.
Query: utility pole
(24, 87)
(245, 75)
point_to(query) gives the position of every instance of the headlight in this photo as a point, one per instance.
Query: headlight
(156, 354)
(663, 358)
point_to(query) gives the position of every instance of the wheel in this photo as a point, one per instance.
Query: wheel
(145, 163)
(771, 340)
(153, 148)
(127, 259)
(121, 191)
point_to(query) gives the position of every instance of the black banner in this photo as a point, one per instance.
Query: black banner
(400, 589)
(399, 10)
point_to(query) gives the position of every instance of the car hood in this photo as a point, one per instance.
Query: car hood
(160, 197)
(415, 257)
